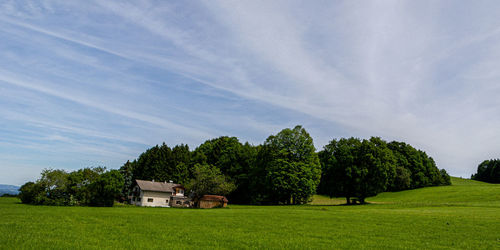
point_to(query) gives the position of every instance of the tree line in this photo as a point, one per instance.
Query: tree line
(286, 169)
(488, 171)
(363, 168)
(86, 187)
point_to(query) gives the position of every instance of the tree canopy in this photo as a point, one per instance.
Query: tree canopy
(288, 169)
(356, 168)
(363, 168)
(285, 169)
(88, 186)
(208, 179)
(488, 171)
(234, 160)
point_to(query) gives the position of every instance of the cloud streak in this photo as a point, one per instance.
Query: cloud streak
(133, 74)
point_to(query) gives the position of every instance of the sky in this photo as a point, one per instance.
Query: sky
(96, 83)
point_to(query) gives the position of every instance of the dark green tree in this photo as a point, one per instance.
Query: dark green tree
(106, 189)
(127, 171)
(355, 168)
(287, 168)
(55, 185)
(488, 171)
(208, 179)
(424, 171)
(233, 159)
(402, 180)
(30, 192)
(79, 185)
(163, 164)
(445, 178)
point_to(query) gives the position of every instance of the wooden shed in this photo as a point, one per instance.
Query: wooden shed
(211, 201)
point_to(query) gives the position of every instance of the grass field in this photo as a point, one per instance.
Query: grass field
(465, 215)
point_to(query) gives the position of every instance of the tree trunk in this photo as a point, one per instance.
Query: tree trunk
(362, 200)
(348, 200)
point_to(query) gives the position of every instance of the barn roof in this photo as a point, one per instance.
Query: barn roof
(209, 197)
(156, 186)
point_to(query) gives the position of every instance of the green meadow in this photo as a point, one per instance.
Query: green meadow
(465, 215)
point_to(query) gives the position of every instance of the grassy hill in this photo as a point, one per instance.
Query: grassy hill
(465, 215)
(462, 192)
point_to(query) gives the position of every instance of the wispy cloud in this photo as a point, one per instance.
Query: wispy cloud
(118, 77)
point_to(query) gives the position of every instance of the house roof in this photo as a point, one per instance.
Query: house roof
(156, 186)
(209, 197)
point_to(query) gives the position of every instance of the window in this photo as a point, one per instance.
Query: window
(150, 199)
(178, 203)
(138, 198)
(166, 201)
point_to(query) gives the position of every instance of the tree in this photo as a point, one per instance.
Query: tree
(445, 177)
(55, 185)
(233, 159)
(106, 189)
(29, 192)
(79, 185)
(488, 171)
(424, 171)
(208, 179)
(127, 171)
(355, 168)
(402, 180)
(287, 168)
(161, 163)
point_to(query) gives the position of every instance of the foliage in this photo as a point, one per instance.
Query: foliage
(159, 163)
(88, 186)
(347, 163)
(424, 171)
(208, 179)
(402, 180)
(355, 168)
(106, 189)
(55, 185)
(234, 160)
(80, 184)
(488, 171)
(29, 192)
(285, 168)
(128, 179)
(288, 169)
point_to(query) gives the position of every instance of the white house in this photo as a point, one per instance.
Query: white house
(159, 194)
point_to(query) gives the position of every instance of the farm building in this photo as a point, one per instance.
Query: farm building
(210, 201)
(159, 194)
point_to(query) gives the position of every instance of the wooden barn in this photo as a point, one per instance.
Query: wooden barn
(211, 201)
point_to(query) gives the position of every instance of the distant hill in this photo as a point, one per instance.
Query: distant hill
(8, 189)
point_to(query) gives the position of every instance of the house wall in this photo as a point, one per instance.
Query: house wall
(160, 199)
(184, 201)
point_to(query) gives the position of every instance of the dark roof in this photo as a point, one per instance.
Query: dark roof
(209, 197)
(156, 186)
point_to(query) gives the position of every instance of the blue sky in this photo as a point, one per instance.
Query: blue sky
(89, 83)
